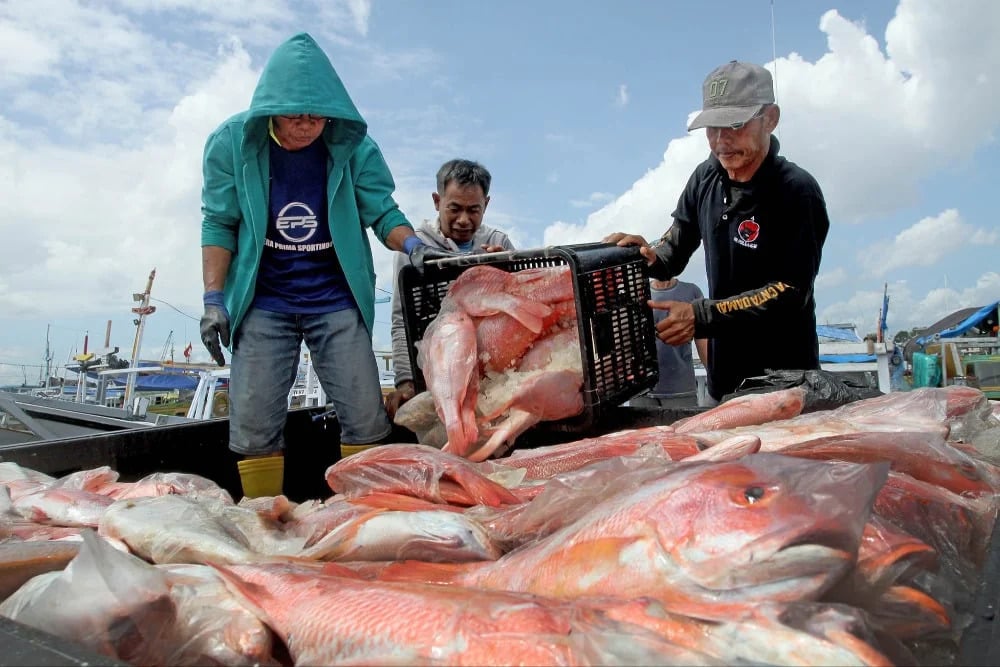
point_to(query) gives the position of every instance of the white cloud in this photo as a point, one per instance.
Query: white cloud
(832, 278)
(925, 243)
(621, 100)
(908, 310)
(591, 200)
(24, 56)
(645, 209)
(361, 11)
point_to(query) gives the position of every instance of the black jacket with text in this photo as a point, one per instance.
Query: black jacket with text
(763, 243)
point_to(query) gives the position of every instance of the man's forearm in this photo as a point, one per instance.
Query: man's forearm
(673, 250)
(396, 237)
(214, 266)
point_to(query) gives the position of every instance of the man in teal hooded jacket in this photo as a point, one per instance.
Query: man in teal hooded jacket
(291, 187)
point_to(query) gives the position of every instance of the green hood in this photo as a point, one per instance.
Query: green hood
(299, 78)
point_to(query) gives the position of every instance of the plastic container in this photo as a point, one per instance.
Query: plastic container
(926, 370)
(611, 288)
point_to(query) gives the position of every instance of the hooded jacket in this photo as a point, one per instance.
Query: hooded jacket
(298, 78)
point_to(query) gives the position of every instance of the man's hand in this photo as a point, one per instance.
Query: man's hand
(677, 328)
(215, 325)
(492, 248)
(404, 391)
(423, 253)
(621, 239)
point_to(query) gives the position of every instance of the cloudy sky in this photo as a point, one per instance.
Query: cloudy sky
(578, 108)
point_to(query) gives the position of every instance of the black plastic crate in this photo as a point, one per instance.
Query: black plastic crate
(611, 288)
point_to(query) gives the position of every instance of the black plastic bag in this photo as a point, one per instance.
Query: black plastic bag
(824, 390)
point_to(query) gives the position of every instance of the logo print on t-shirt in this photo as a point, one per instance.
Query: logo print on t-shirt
(747, 233)
(296, 222)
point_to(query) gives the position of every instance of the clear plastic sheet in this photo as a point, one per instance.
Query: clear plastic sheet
(551, 460)
(349, 530)
(419, 471)
(707, 537)
(568, 496)
(328, 620)
(63, 506)
(180, 529)
(167, 483)
(924, 456)
(957, 528)
(108, 601)
(770, 634)
(213, 627)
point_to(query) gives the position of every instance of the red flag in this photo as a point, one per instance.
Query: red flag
(187, 352)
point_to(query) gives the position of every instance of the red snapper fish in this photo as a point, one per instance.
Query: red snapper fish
(340, 620)
(561, 500)
(448, 360)
(924, 456)
(705, 539)
(485, 290)
(542, 396)
(419, 471)
(746, 410)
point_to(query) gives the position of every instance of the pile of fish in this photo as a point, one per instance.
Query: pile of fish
(747, 534)
(502, 354)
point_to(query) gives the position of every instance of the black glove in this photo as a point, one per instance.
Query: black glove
(422, 253)
(215, 325)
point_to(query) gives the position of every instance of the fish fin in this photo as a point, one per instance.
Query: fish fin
(480, 490)
(884, 562)
(514, 425)
(529, 313)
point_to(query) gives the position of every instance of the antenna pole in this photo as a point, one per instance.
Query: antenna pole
(142, 310)
(774, 54)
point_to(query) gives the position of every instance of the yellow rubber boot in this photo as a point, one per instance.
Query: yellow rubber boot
(262, 477)
(349, 450)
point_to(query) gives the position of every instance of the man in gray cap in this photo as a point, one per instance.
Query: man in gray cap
(763, 221)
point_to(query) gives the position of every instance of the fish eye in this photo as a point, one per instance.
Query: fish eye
(753, 493)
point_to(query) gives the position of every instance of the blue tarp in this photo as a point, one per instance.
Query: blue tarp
(961, 327)
(846, 358)
(164, 382)
(837, 333)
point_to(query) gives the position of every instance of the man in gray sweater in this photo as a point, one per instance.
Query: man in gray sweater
(463, 192)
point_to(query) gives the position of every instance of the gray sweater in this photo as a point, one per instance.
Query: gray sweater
(430, 233)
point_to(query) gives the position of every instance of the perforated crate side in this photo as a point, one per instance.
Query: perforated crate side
(621, 351)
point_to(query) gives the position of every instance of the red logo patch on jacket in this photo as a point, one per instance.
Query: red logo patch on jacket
(747, 233)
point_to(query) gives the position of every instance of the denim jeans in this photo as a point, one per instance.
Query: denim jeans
(265, 362)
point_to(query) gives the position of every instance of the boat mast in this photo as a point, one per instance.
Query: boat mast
(142, 310)
(48, 359)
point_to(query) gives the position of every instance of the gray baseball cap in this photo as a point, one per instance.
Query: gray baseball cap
(733, 93)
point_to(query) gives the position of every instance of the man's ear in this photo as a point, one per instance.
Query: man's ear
(437, 201)
(772, 115)
(486, 203)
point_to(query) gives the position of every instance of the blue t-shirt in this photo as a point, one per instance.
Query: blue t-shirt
(676, 362)
(299, 270)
